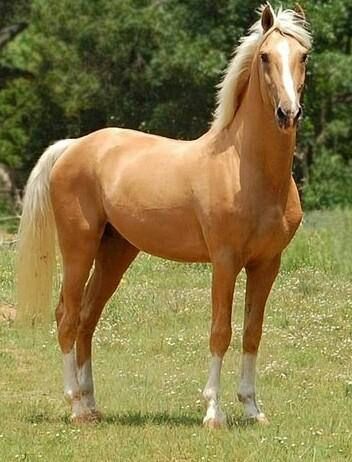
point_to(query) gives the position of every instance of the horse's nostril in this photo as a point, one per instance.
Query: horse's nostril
(299, 113)
(281, 114)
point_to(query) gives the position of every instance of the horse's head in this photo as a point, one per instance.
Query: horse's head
(281, 62)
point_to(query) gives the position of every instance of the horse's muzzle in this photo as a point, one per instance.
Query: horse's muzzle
(287, 118)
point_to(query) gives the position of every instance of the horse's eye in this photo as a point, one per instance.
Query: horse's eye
(264, 57)
(304, 58)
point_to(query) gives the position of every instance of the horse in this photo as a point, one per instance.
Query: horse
(227, 198)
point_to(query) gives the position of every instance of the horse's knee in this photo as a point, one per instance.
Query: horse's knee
(67, 331)
(89, 318)
(220, 339)
(251, 340)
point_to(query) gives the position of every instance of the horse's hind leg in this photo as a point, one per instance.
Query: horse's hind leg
(78, 249)
(113, 258)
(80, 224)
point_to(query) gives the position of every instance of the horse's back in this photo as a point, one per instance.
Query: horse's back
(140, 184)
(148, 197)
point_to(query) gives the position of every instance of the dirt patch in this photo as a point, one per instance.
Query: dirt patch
(7, 312)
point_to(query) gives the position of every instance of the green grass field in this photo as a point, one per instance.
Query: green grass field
(151, 361)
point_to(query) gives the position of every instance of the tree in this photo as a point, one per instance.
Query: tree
(153, 65)
(326, 141)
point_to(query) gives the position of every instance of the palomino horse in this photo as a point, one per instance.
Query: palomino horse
(227, 198)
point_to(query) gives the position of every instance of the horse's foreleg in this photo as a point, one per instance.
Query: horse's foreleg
(113, 258)
(260, 279)
(224, 276)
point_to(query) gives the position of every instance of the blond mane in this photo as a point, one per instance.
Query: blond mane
(237, 73)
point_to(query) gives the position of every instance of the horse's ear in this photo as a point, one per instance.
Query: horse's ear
(267, 18)
(300, 12)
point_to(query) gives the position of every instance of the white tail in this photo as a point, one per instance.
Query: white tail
(36, 256)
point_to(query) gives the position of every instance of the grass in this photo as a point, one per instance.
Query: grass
(151, 360)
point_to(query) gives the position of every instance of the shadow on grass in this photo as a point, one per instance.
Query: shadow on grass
(138, 419)
(131, 419)
(240, 422)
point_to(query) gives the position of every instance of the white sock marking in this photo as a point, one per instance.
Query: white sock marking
(71, 388)
(85, 380)
(212, 387)
(211, 393)
(247, 384)
(246, 389)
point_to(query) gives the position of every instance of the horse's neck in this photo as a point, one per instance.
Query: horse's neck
(266, 154)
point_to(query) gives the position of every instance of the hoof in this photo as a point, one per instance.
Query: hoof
(93, 416)
(97, 415)
(261, 419)
(214, 424)
(258, 419)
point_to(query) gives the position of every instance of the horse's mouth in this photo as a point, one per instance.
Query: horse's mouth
(288, 124)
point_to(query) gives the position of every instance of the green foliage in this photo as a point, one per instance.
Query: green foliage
(326, 138)
(153, 65)
(330, 182)
(14, 133)
(13, 11)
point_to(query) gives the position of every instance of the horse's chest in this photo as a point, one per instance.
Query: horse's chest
(269, 234)
(260, 235)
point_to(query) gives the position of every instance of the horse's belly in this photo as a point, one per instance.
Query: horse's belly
(174, 234)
